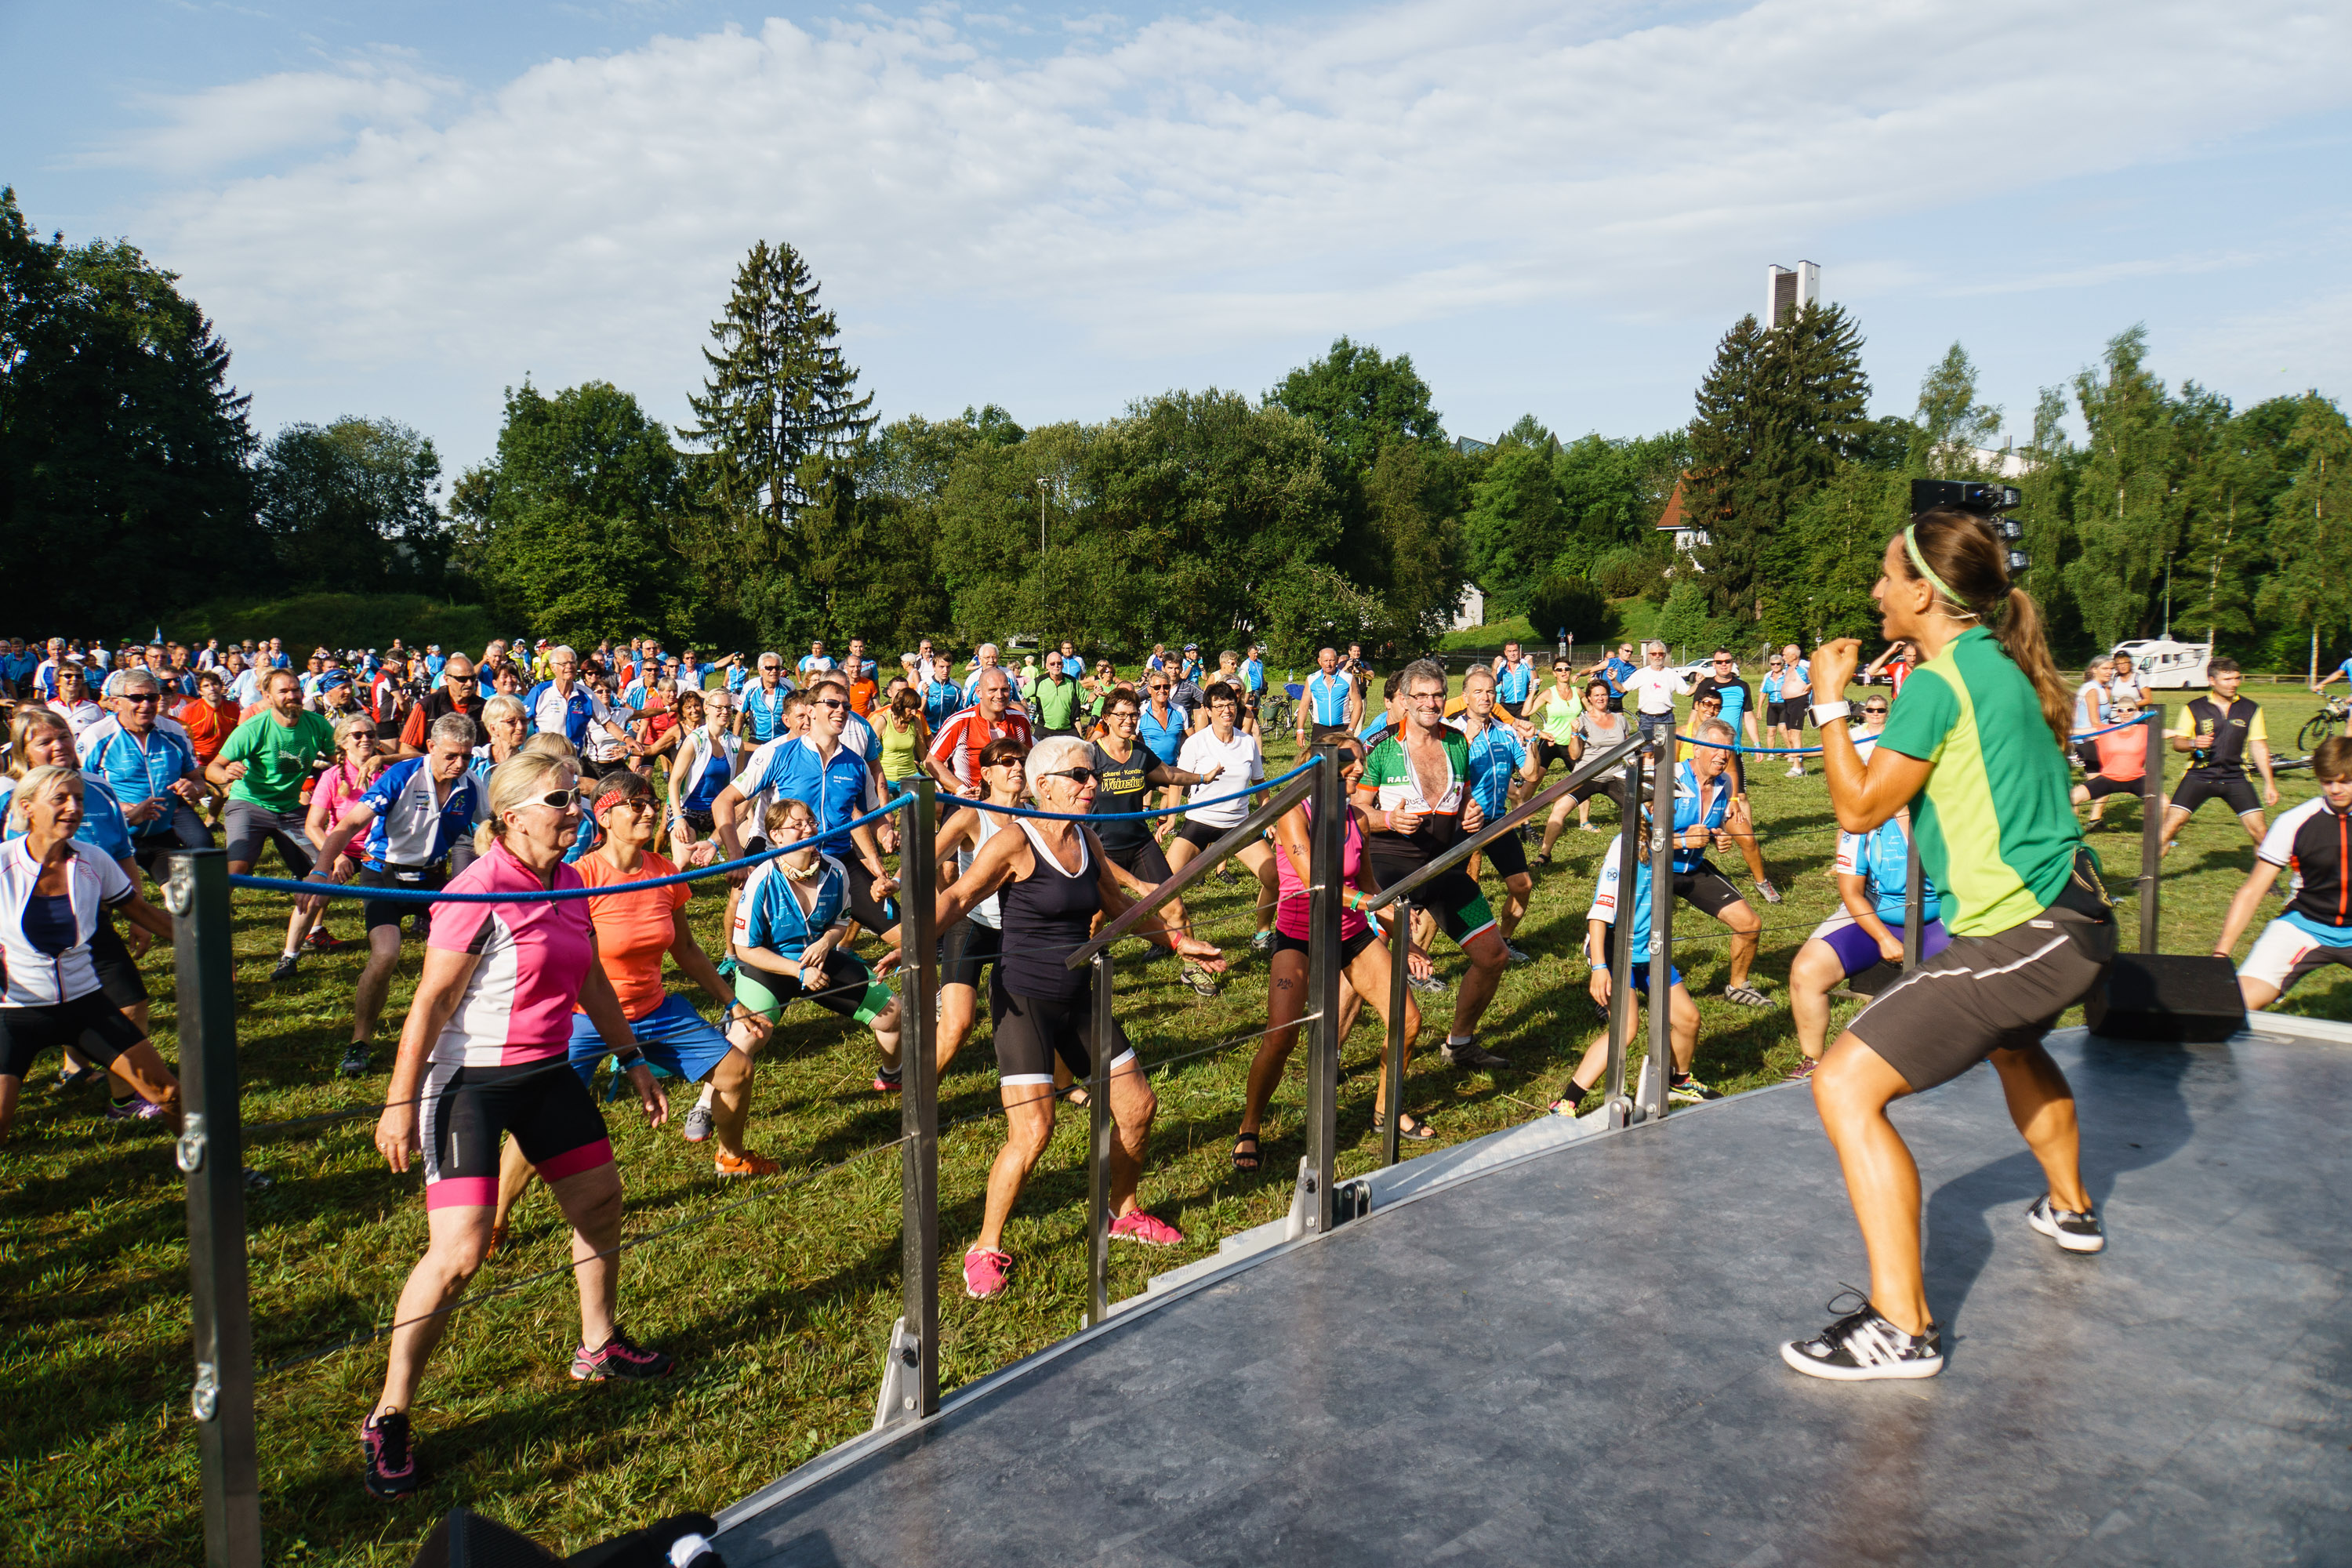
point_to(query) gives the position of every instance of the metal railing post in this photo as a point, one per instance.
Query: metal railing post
(1098, 1146)
(1328, 856)
(2151, 826)
(1915, 901)
(211, 1153)
(1393, 1102)
(1621, 964)
(918, 1109)
(1662, 917)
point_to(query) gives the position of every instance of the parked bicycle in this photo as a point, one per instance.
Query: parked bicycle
(2323, 725)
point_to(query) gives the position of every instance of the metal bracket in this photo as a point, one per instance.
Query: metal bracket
(203, 1400)
(189, 1153)
(901, 1366)
(180, 887)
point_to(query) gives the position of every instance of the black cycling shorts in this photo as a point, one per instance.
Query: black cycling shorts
(1200, 834)
(1707, 889)
(768, 991)
(90, 1024)
(1349, 946)
(1147, 862)
(118, 976)
(2102, 786)
(463, 1110)
(374, 912)
(1030, 1033)
(1453, 898)
(968, 949)
(2233, 789)
(1506, 855)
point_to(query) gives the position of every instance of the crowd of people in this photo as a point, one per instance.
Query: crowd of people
(614, 773)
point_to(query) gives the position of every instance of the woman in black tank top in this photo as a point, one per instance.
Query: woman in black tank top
(1052, 879)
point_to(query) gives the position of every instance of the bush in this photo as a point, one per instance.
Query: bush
(1683, 621)
(334, 620)
(1627, 574)
(1570, 603)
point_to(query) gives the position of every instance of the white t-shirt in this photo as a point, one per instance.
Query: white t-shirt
(1656, 689)
(1244, 762)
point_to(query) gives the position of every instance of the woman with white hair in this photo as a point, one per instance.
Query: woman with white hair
(486, 1052)
(54, 896)
(1051, 880)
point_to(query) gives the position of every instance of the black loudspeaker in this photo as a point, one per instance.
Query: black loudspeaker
(2166, 996)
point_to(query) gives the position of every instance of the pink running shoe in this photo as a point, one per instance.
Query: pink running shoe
(619, 1358)
(984, 1272)
(1149, 1229)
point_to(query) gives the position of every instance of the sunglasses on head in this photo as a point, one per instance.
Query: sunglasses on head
(1076, 776)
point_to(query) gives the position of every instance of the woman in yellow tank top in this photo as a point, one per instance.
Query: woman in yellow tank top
(905, 737)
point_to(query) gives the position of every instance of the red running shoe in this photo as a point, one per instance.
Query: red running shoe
(386, 1465)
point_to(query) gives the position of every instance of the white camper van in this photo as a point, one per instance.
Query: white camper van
(2164, 665)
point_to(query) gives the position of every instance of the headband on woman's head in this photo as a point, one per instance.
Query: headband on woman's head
(611, 798)
(1911, 544)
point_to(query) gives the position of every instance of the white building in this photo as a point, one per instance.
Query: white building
(1471, 611)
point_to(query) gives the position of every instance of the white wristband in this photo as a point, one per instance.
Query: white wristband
(1825, 711)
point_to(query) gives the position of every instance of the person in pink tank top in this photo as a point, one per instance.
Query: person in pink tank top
(486, 1052)
(1363, 952)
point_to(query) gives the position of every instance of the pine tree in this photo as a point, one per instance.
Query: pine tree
(1782, 408)
(778, 393)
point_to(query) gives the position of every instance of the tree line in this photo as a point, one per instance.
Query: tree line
(1330, 508)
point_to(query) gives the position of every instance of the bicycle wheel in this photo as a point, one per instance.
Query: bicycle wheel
(2318, 728)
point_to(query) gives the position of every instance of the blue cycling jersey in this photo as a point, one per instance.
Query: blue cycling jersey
(769, 915)
(412, 825)
(1326, 695)
(1495, 754)
(1514, 681)
(138, 770)
(1881, 858)
(1692, 810)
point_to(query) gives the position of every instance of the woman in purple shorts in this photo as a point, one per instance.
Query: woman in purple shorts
(1872, 868)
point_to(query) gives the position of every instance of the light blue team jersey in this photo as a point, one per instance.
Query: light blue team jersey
(412, 827)
(1514, 681)
(839, 788)
(1691, 811)
(768, 914)
(1253, 674)
(1495, 754)
(134, 772)
(764, 712)
(1881, 858)
(103, 826)
(1326, 695)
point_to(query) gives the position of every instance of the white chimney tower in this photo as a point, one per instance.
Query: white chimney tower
(1787, 292)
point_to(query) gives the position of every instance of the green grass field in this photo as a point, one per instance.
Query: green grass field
(779, 1310)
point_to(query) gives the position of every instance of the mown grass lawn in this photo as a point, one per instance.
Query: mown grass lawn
(779, 1310)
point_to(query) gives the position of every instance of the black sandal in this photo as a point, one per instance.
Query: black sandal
(1249, 1162)
(1407, 1127)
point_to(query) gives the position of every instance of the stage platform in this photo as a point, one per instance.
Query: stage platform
(1573, 1359)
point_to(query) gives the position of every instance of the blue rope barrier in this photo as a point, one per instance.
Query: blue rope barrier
(1129, 815)
(426, 895)
(1816, 751)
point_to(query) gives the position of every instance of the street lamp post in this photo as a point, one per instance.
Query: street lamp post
(1042, 487)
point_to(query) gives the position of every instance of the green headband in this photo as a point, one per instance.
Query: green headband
(1911, 544)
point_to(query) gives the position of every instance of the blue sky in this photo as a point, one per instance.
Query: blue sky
(401, 208)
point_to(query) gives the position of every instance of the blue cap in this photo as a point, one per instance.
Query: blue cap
(333, 679)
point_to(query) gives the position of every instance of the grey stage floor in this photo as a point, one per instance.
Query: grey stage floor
(1573, 1359)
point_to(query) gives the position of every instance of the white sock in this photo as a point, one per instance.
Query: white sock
(709, 1096)
(292, 954)
(1451, 1040)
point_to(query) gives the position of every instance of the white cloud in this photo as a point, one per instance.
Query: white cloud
(285, 112)
(1161, 187)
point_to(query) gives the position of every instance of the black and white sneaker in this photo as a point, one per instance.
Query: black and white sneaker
(2075, 1231)
(1471, 1054)
(1862, 1346)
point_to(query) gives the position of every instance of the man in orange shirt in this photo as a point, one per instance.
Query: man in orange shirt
(209, 717)
(858, 670)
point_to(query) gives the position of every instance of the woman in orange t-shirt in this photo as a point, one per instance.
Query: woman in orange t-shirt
(633, 931)
(2123, 762)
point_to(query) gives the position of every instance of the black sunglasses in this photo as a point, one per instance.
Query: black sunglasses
(1076, 776)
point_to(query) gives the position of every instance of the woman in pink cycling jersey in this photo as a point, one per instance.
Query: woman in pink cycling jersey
(486, 1052)
(1363, 960)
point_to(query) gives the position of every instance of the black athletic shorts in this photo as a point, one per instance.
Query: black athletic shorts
(2101, 786)
(1506, 855)
(1707, 889)
(1348, 946)
(1323, 733)
(2232, 788)
(1200, 834)
(2089, 755)
(118, 976)
(1146, 862)
(1984, 993)
(701, 822)
(1513, 709)
(1545, 750)
(90, 1024)
(969, 948)
(1453, 898)
(374, 912)
(1030, 1033)
(463, 1110)
(874, 916)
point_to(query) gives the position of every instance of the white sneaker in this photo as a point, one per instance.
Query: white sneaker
(1796, 770)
